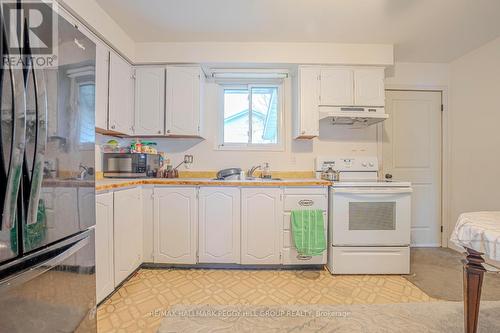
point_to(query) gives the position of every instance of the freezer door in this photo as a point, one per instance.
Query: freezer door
(58, 182)
(54, 291)
(12, 144)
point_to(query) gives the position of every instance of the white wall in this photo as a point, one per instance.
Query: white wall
(101, 24)
(281, 53)
(475, 134)
(421, 75)
(298, 155)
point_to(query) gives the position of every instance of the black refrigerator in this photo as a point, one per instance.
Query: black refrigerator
(47, 193)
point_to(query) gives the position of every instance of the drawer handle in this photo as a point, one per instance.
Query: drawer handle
(306, 202)
(301, 257)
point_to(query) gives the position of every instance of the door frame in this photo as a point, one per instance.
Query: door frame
(445, 150)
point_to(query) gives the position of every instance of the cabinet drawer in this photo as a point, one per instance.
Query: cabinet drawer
(290, 255)
(287, 221)
(369, 260)
(305, 202)
(290, 258)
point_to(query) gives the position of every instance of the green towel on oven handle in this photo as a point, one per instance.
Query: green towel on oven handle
(308, 230)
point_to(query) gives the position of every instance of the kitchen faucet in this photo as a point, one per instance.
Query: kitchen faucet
(85, 171)
(252, 170)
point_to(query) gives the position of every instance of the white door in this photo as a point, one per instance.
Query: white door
(127, 232)
(149, 101)
(261, 226)
(307, 115)
(369, 87)
(337, 86)
(219, 225)
(412, 152)
(104, 270)
(101, 86)
(175, 221)
(121, 95)
(183, 101)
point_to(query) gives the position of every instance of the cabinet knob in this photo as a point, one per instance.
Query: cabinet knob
(159, 132)
(113, 126)
(168, 131)
(303, 132)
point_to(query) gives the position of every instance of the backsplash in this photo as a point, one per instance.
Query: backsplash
(297, 154)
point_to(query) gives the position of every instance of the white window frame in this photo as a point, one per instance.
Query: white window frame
(78, 84)
(279, 146)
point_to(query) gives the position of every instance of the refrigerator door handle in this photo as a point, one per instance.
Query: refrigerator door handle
(31, 273)
(40, 145)
(17, 152)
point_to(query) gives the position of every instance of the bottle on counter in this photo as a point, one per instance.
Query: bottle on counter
(266, 171)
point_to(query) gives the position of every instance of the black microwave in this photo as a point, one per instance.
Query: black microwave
(130, 165)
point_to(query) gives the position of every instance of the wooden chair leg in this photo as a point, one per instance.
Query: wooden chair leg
(473, 281)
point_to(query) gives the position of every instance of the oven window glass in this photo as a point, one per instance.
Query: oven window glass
(372, 216)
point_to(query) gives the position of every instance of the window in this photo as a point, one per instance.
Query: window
(86, 107)
(251, 117)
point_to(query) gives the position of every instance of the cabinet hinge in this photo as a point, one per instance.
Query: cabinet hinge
(442, 228)
(442, 107)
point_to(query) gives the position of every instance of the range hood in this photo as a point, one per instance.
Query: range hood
(357, 116)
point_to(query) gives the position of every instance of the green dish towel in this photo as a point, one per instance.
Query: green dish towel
(308, 232)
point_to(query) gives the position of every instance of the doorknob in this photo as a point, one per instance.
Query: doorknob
(388, 176)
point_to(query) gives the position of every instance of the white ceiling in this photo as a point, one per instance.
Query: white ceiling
(421, 30)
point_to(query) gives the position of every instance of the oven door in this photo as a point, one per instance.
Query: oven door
(370, 216)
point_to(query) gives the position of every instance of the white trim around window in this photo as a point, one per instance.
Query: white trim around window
(279, 146)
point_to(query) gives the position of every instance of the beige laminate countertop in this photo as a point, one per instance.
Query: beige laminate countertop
(109, 183)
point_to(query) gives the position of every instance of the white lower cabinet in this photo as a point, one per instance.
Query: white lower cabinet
(105, 281)
(302, 198)
(219, 225)
(127, 232)
(261, 230)
(175, 225)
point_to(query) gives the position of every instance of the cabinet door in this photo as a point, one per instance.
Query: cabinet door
(105, 280)
(369, 87)
(175, 221)
(149, 101)
(307, 117)
(219, 225)
(261, 211)
(183, 101)
(127, 232)
(121, 95)
(101, 87)
(337, 87)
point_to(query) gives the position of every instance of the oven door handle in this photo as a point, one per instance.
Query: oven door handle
(372, 190)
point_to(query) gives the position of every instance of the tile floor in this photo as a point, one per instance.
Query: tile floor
(130, 308)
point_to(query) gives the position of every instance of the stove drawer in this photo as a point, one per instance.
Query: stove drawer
(369, 260)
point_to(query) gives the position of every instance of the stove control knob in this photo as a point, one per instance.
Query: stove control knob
(364, 164)
(372, 164)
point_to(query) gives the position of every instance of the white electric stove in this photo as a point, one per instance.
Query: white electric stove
(369, 218)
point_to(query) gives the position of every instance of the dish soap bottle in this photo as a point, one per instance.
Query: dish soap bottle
(266, 171)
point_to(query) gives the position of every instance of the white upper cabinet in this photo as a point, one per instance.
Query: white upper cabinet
(306, 112)
(219, 225)
(261, 226)
(352, 86)
(127, 232)
(183, 99)
(337, 86)
(102, 84)
(121, 95)
(105, 283)
(369, 89)
(175, 221)
(149, 100)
